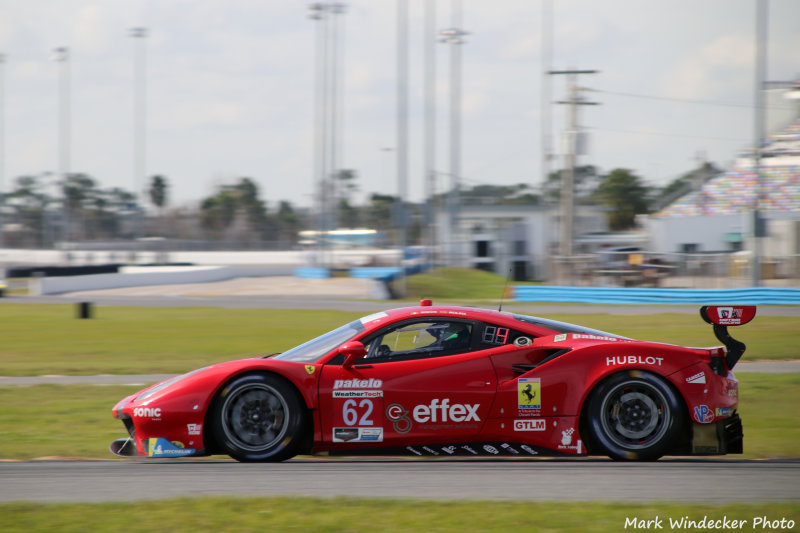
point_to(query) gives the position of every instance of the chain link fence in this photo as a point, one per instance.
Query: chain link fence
(678, 270)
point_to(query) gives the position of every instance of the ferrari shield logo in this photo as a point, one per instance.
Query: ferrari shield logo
(310, 369)
(529, 393)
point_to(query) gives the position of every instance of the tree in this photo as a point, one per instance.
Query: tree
(79, 191)
(626, 195)
(379, 211)
(345, 186)
(287, 222)
(29, 203)
(586, 181)
(158, 191)
(235, 209)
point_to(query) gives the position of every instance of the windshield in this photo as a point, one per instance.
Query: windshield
(313, 350)
(564, 327)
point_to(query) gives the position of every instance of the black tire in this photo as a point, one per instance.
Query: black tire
(635, 415)
(258, 417)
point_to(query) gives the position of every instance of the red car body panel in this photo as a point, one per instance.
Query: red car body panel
(499, 397)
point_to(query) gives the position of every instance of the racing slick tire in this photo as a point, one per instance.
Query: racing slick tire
(635, 415)
(258, 417)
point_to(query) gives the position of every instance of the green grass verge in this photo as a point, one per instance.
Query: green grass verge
(76, 421)
(48, 339)
(350, 515)
(449, 283)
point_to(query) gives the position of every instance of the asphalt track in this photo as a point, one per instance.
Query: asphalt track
(689, 481)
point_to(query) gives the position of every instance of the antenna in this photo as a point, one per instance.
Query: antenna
(505, 288)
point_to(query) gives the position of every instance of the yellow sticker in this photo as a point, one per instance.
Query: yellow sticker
(311, 369)
(529, 392)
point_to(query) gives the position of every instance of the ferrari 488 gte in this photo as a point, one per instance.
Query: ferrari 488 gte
(452, 381)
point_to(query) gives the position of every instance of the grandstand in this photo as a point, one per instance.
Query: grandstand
(735, 191)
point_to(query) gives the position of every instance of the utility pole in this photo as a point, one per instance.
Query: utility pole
(568, 174)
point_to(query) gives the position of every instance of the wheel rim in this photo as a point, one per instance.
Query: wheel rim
(635, 415)
(255, 417)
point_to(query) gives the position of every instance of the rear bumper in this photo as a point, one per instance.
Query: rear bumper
(720, 438)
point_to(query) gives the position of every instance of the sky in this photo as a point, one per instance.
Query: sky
(230, 89)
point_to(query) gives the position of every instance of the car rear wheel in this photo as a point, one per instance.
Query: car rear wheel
(635, 415)
(258, 417)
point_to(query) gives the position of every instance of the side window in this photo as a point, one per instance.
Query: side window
(491, 335)
(421, 339)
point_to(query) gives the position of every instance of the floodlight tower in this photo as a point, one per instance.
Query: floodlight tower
(61, 55)
(454, 36)
(139, 124)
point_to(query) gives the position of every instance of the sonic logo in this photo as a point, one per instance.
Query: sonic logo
(152, 412)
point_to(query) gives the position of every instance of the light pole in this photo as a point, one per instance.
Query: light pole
(429, 47)
(139, 124)
(454, 36)
(2, 150)
(758, 115)
(62, 57)
(402, 134)
(327, 120)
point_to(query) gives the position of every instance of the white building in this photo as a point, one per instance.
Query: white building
(516, 240)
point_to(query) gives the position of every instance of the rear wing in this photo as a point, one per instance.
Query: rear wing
(722, 316)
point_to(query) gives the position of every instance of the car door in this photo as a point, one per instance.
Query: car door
(423, 380)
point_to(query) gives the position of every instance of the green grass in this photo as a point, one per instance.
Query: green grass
(453, 283)
(348, 515)
(60, 421)
(76, 421)
(48, 339)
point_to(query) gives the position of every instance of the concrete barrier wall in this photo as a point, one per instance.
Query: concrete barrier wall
(293, 258)
(132, 277)
(617, 295)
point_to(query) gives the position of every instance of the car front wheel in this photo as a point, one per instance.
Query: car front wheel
(635, 415)
(258, 417)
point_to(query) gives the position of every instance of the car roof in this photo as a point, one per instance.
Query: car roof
(463, 312)
(532, 324)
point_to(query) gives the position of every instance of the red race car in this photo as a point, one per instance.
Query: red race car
(447, 381)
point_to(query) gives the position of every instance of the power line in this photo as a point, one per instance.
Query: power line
(683, 135)
(682, 100)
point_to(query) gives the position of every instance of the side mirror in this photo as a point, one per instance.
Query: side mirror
(352, 351)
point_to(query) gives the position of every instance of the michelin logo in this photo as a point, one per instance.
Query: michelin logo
(161, 447)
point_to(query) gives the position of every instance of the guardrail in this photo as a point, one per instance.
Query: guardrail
(619, 295)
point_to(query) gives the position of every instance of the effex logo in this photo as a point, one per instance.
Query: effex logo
(442, 411)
